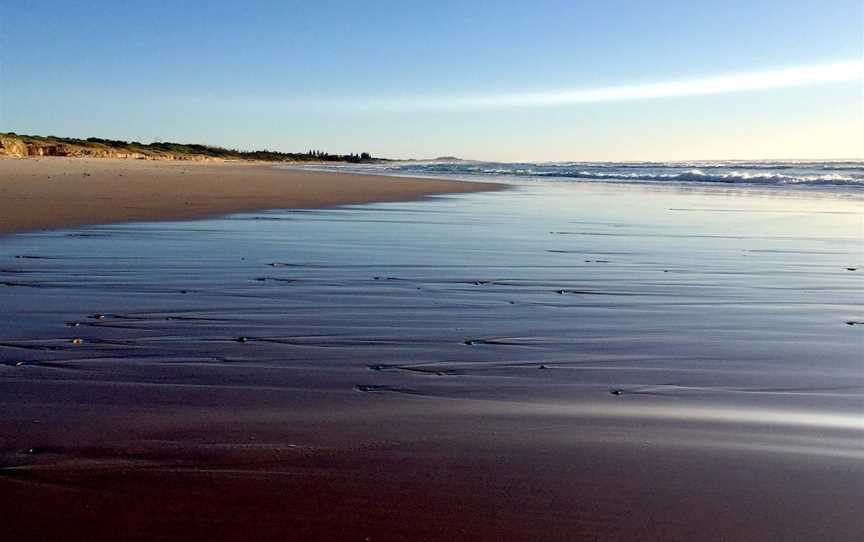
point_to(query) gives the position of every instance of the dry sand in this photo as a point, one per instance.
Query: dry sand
(38, 193)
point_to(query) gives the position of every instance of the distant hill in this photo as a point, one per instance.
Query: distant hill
(17, 145)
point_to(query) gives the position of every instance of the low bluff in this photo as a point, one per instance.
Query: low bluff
(16, 147)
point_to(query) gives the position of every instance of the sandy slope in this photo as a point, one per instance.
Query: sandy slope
(57, 192)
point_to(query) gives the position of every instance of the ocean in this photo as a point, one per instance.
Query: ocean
(790, 173)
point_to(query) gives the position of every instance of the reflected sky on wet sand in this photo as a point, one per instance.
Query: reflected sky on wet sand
(727, 321)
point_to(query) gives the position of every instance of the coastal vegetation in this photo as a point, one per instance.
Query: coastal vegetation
(12, 144)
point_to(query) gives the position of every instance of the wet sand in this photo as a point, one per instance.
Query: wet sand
(584, 362)
(59, 192)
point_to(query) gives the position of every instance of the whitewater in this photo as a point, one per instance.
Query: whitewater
(826, 174)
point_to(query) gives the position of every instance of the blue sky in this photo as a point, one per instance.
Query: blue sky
(297, 75)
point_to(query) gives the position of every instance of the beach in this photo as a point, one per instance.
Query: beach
(548, 362)
(53, 192)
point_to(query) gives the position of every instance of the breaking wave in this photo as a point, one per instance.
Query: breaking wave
(732, 177)
(834, 173)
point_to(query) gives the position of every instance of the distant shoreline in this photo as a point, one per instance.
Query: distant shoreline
(28, 146)
(54, 192)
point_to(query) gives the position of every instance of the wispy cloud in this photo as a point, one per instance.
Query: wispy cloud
(721, 84)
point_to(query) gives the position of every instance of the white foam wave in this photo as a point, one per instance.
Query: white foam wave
(697, 175)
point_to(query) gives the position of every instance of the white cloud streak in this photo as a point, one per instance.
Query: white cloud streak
(723, 84)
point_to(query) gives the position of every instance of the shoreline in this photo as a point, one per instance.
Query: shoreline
(55, 192)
